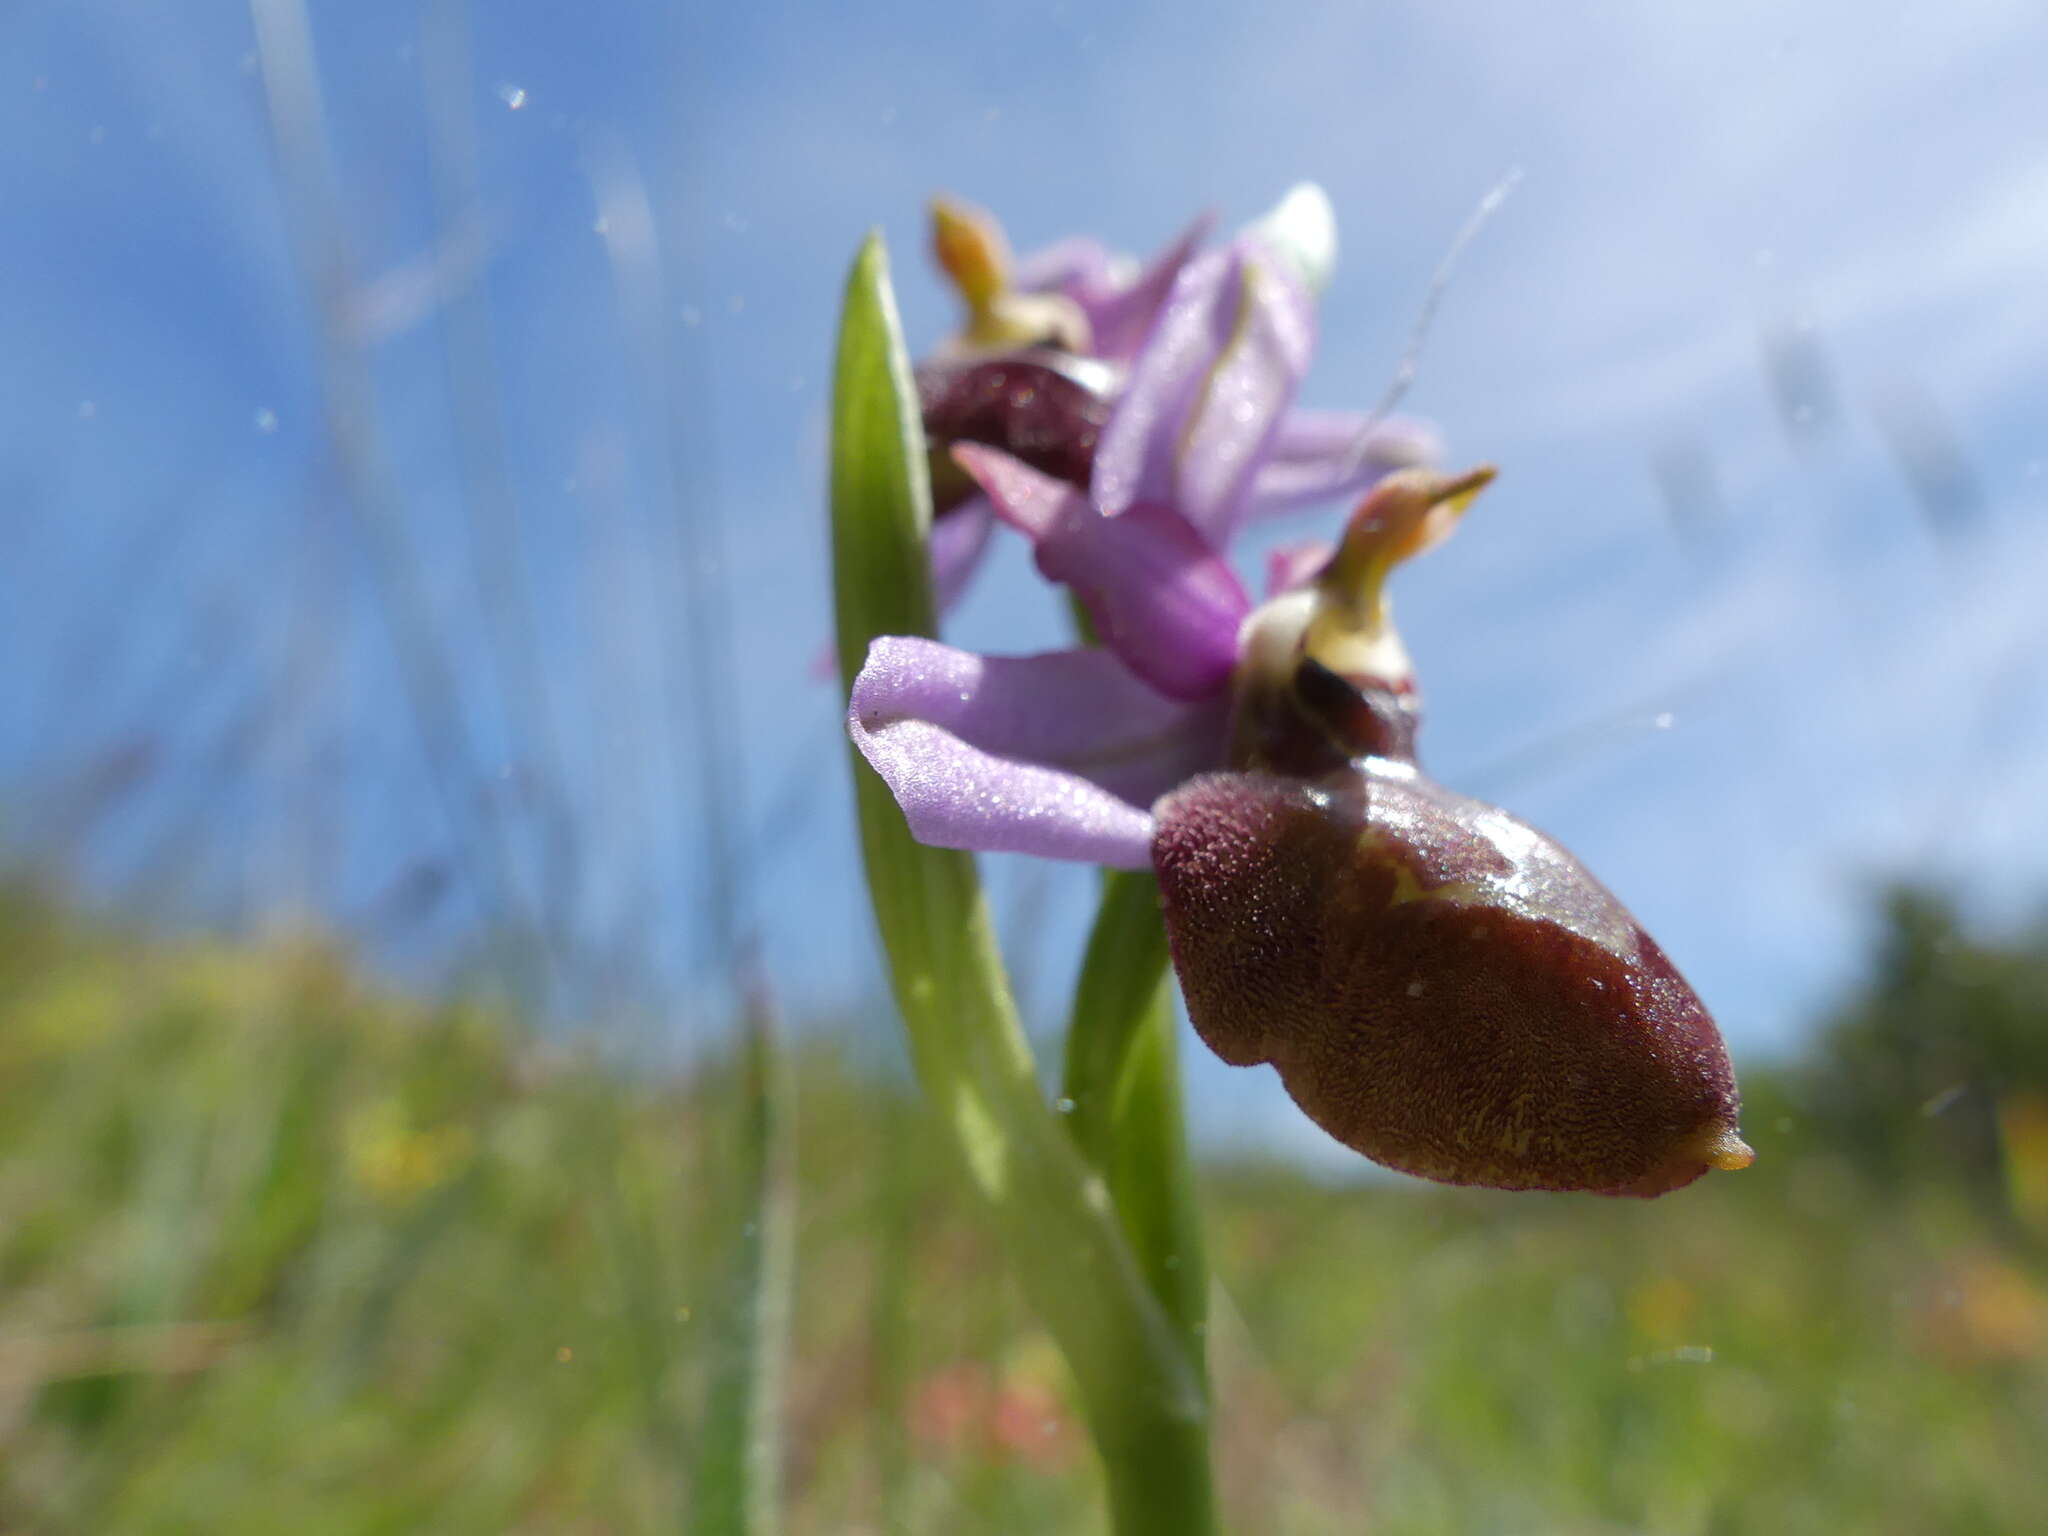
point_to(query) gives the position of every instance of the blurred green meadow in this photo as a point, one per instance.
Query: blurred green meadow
(282, 1250)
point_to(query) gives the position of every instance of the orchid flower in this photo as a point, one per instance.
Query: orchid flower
(1076, 361)
(1440, 986)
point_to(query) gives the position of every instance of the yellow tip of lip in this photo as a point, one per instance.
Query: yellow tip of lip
(1721, 1148)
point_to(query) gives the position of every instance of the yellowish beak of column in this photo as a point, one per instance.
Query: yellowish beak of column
(1401, 517)
(970, 249)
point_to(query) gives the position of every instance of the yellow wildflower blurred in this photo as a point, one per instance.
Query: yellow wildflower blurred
(391, 1159)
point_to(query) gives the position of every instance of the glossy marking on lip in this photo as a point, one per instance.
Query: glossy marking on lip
(1439, 986)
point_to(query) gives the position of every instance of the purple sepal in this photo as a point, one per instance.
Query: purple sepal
(1120, 309)
(1248, 396)
(1218, 371)
(1076, 265)
(1053, 755)
(1134, 459)
(956, 545)
(1320, 456)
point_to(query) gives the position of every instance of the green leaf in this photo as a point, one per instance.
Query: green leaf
(1140, 1391)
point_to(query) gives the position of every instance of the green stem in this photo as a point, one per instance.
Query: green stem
(1122, 1081)
(1140, 1391)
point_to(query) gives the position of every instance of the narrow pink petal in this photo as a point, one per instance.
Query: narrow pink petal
(1032, 502)
(1158, 595)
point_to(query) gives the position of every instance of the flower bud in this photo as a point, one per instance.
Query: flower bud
(1440, 986)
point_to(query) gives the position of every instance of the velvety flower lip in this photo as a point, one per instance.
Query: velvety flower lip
(1047, 408)
(1057, 754)
(1439, 985)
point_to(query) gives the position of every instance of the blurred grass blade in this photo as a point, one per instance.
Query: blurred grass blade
(894, 1228)
(1141, 1393)
(735, 1489)
(1122, 1077)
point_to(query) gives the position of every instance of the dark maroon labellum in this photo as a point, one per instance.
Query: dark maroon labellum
(1441, 987)
(1041, 407)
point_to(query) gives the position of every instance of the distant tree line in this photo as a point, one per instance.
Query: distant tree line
(1935, 1066)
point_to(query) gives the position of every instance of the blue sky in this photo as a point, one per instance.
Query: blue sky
(1760, 246)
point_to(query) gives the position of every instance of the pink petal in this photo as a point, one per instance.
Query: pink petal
(1158, 595)
(1030, 501)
